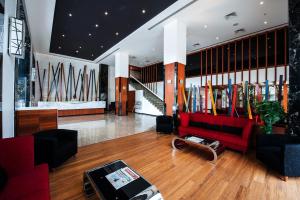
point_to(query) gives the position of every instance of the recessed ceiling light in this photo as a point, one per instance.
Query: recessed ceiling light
(105, 13)
(265, 22)
(92, 55)
(70, 15)
(117, 33)
(205, 26)
(63, 35)
(80, 47)
(217, 38)
(101, 46)
(261, 3)
(77, 51)
(59, 47)
(143, 11)
(90, 34)
(96, 25)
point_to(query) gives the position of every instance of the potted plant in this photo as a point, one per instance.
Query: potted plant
(270, 112)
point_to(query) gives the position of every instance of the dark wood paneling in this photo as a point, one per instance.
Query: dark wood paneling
(121, 95)
(32, 121)
(78, 112)
(131, 100)
(181, 84)
(169, 88)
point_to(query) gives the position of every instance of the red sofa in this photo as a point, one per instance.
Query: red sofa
(233, 132)
(25, 181)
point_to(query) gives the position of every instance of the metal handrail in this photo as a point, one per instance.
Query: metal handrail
(146, 87)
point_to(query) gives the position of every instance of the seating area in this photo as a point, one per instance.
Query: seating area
(149, 99)
(234, 133)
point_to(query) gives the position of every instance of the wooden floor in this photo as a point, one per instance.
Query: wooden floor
(177, 174)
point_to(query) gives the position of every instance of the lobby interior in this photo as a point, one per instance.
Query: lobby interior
(199, 99)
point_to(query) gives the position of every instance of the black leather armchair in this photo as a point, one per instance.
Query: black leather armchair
(54, 146)
(280, 152)
(164, 124)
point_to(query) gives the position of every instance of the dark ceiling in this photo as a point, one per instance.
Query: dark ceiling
(88, 28)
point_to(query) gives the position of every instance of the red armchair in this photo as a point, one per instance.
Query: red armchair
(25, 181)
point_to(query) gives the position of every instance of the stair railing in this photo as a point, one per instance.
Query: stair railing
(146, 87)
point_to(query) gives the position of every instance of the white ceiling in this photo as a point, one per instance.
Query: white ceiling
(147, 45)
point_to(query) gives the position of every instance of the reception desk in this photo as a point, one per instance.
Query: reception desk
(30, 120)
(75, 108)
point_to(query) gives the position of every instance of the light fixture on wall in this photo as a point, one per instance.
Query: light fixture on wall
(16, 37)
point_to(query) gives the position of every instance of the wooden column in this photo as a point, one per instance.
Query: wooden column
(121, 95)
(170, 70)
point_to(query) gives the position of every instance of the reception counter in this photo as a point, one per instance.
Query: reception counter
(75, 108)
(30, 120)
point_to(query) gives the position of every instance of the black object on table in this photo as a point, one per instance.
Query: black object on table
(95, 181)
(164, 124)
(54, 146)
(280, 153)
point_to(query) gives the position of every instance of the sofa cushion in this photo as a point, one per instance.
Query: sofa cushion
(184, 119)
(221, 128)
(31, 185)
(3, 178)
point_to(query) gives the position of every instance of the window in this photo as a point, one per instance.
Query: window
(262, 50)
(192, 65)
(239, 55)
(253, 52)
(280, 47)
(271, 48)
(246, 53)
(203, 63)
(214, 57)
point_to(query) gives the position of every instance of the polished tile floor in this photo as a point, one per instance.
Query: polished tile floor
(96, 128)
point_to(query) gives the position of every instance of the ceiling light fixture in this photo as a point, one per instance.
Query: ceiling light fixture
(265, 22)
(261, 3)
(63, 35)
(205, 26)
(117, 33)
(90, 34)
(105, 13)
(77, 51)
(80, 47)
(217, 38)
(70, 15)
(92, 55)
(101, 46)
(59, 47)
(143, 11)
(96, 25)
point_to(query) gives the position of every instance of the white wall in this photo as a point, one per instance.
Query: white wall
(8, 76)
(111, 84)
(144, 107)
(44, 60)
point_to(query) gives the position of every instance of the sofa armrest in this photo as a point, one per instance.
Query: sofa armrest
(292, 160)
(17, 155)
(247, 130)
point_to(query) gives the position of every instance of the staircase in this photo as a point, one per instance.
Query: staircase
(148, 94)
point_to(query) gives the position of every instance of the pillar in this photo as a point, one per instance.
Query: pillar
(174, 61)
(294, 67)
(121, 82)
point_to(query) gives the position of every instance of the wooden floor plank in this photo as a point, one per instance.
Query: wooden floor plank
(178, 174)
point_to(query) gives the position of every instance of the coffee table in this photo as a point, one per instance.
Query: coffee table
(117, 181)
(179, 143)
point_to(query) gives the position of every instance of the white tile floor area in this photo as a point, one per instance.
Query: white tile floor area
(96, 128)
